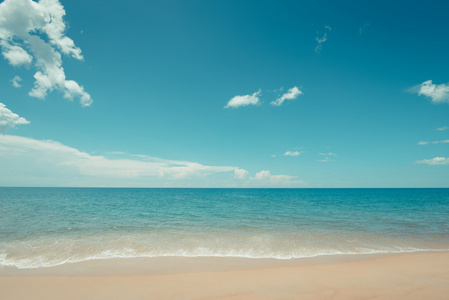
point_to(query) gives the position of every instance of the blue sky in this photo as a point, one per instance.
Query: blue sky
(184, 93)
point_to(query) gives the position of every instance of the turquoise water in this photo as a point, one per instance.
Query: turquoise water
(51, 226)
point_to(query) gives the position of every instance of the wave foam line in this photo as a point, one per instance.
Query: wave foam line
(30, 263)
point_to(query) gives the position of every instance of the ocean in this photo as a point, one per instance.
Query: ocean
(43, 227)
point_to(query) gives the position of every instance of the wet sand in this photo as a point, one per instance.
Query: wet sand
(397, 276)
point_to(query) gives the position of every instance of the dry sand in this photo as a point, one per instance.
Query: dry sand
(401, 276)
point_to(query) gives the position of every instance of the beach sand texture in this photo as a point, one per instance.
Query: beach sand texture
(399, 276)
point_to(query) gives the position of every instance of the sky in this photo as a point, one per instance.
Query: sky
(307, 94)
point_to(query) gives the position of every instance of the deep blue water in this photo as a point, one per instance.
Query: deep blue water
(51, 226)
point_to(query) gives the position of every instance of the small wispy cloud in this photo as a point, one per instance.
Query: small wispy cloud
(265, 178)
(292, 94)
(437, 93)
(443, 128)
(434, 161)
(362, 28)
(16, 81)
(9, 120)
(244, 100)
(322, 39)
(292, 153)
(326, 157)
(434, 142)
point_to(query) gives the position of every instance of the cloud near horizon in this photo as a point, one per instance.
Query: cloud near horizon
(266, 179)
(244, 100)
(9, 120)
(23, 23)
(32, 162)
(240, 173)
(292, 94)
(38, 162)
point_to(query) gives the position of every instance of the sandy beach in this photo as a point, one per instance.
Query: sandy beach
(398, 276)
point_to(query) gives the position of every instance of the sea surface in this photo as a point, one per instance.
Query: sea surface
(42, 227)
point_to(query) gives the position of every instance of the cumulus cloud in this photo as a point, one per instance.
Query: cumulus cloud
(15, 55)
(292, 153)
(23, 24)
(265, 178)
(326, 157)
(36, 162)
(262, 175)
(16, 81)
(443, 128)
(435, 161)
(240, 173)
(9, 120)
(321, 40)
(244, 100)
(437, 93)
(292, 94)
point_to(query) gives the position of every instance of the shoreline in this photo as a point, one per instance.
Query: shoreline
(181, 264)
(146, 264)
(419, 275)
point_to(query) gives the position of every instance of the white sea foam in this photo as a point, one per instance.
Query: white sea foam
(50, 258)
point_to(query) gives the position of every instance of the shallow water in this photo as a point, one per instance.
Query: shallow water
(51, 226)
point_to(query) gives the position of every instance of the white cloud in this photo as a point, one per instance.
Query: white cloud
(264, 178)
(31, 162)
(15, 55)
(262, 175)
(443, 128)
(441, 142)
(245, 100)
(22, 23)
(9, 120)
(34, 162)
(321, 40)
(326, 157)
(438, 93)
(434, 142)
(292, 153)
(16, 81)
(292, 93)
(240, 173)
(328, 154)
(434, 161)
